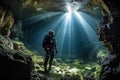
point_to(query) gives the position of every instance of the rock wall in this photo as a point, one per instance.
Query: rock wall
(14, 64)
(109, 31)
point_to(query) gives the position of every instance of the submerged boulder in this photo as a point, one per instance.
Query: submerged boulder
(111, 67)
(14, 65)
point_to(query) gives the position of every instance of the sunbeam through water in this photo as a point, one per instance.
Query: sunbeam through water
(75, 32)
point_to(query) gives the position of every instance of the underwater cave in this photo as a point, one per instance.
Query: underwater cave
(75, 30)
(86, 39)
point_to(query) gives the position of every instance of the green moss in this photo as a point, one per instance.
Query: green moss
(101, 54)
(67, 69)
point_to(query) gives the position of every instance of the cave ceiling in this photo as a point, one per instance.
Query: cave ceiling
(26, 8)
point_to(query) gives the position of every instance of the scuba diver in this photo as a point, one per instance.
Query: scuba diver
(49, 45)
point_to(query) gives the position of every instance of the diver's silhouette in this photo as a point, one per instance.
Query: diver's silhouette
(49, 45)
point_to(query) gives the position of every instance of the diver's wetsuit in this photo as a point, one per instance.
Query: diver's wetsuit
(49, 46)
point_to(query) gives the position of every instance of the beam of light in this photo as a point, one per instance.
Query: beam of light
(66, 34)
(68, 29)
(62, 34)
(56, 25)
(60, 27)
(69, 8)
(34, 19)
(91, 20)
(89, 24)
(63, 28)
(87, 28)
(73, 6)
(68, 17)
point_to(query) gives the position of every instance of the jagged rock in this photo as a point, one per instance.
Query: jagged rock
(111, 67)
(111, 63)
(6, 42)
(17, 46)
(38, 76)
(90, 77)
(14, 65)
(6, 22)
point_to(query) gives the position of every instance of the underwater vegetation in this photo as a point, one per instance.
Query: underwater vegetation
(70, 70)
(67, 69)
